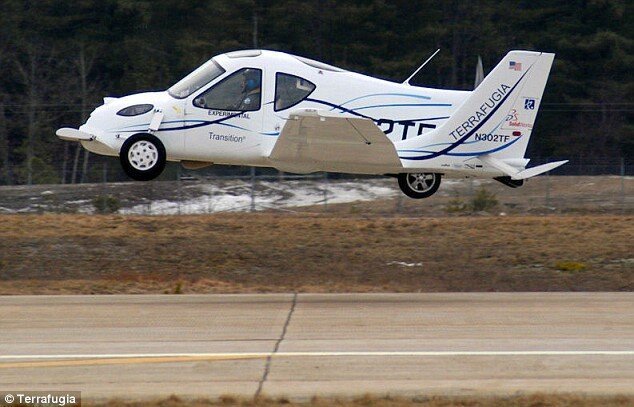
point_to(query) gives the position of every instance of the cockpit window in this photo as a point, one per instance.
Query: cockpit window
(240, 91)
(290, 90)
(204, 74)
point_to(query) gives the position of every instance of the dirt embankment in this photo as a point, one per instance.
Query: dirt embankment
(313, 253)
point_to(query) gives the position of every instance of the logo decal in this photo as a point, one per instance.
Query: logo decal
(512, 120)
(480, 113)
(512, 115)
(529, 104)
(223, 137)
(223, 113)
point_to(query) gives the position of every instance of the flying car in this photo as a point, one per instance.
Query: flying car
(271, 109)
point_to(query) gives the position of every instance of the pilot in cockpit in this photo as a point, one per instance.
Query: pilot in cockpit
(251, 89)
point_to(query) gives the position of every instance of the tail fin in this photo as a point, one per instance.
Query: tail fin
(496, 119)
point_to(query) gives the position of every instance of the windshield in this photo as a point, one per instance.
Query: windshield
(204, 74)
(239, 91)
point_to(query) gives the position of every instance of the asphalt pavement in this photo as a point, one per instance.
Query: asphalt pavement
(146, 346)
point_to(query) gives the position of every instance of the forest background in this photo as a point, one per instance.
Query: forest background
(58, 59)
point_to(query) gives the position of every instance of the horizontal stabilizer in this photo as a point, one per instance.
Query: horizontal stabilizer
(540, 169)
(69, 134)
(314, 140)
(517, 174)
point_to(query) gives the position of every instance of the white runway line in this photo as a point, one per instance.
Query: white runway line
(325, 354)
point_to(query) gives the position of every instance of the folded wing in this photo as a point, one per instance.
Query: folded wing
(315, 140)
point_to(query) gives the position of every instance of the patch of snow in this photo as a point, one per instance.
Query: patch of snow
(236, 197)
(78, 201)
(403, 264)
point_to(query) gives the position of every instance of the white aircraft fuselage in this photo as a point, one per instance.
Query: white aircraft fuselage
(271, 109)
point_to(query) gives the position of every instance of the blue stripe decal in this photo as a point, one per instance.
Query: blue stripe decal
(423, 120)
(406, 105)
(199, 123)
(353, 112)
(144, 126)
(387, 94)
(270, 133)
(339, 107)
(136, 125)
(233, 125)
(485, 152)
(422, 149)
(473, 153)
(205, 123)
(470, 133)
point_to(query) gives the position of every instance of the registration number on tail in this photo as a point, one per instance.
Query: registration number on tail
(496, 138)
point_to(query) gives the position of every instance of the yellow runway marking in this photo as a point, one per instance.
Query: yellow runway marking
(24, 361)
(123, 361)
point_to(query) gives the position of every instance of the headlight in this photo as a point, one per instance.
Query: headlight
(135, 110)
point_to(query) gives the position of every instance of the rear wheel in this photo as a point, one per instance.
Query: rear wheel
(419, 185)
(143, 157)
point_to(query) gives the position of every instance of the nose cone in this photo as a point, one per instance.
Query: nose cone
(105, 116)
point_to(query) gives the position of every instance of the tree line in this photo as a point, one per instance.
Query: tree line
(58, 59)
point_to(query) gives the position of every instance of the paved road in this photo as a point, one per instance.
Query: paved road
(141, 346)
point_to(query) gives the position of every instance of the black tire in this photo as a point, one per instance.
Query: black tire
(419, 185)
(143, 157)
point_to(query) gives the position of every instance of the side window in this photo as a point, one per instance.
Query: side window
(290, 90)
(240, 91)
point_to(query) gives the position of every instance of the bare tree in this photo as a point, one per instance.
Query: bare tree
(43, 78)
(4, 145)
(31, 77)
(83, 65)
(4, 137)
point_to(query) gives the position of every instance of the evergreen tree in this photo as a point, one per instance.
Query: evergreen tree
(59, 58)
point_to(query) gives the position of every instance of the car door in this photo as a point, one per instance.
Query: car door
(223, 123)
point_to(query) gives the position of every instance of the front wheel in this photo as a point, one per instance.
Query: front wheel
(419, 185)
(143, 157)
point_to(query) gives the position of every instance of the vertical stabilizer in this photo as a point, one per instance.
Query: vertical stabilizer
(479, 73)
(496, 119)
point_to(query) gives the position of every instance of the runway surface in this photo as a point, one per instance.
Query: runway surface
(139, 346)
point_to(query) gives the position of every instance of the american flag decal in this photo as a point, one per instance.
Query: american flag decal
(516, 66)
